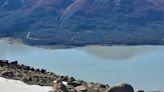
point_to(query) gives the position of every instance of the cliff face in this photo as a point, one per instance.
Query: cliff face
(81, 22)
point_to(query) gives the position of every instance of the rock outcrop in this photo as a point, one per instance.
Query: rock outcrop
(32, 76)
(27, 74)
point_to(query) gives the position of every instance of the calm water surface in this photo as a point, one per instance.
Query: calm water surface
(141, 66)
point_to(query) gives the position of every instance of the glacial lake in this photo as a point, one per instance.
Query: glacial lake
(141, 66)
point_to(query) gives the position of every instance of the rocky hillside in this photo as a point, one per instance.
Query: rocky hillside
(81, 22)
(32, 76)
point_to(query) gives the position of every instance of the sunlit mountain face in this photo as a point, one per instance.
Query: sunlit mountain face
(80, 21)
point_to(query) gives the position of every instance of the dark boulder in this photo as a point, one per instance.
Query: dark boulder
(140, 91)
(4, 62)
(38, 70)
(32, 69)
(43, 71)
(14, 63)
(121, 88)
(68, 79)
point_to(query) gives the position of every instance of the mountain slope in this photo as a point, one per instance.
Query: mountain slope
(81, 22)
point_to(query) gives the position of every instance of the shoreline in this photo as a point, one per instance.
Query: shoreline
(66, 46)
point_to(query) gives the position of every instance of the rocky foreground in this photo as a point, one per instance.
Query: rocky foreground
(31, 76)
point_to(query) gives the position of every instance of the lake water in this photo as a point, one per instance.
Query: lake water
(141, 66)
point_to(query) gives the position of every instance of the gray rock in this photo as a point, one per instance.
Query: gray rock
(7, 74)
(81, 89)
(121, 88)
(58, 86)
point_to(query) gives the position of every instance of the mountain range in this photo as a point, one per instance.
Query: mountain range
(83, 22)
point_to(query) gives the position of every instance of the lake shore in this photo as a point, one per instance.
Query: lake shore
(11, 50)
(11, 40)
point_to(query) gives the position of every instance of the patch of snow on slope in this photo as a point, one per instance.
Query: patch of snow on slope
(7, 85)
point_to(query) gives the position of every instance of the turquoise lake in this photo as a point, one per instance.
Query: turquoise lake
(141, 66)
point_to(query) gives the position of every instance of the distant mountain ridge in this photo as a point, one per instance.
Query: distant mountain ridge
(81, 22)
